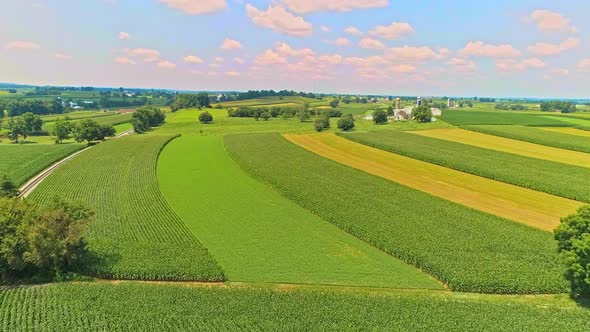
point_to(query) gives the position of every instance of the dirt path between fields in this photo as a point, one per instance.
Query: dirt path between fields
(26, 189)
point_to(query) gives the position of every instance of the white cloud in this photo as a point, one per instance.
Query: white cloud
(351, 30)
(230, 45)
(146, 54)
(478, 48)
(193, 59)
(124, 35)
(310, 6)
(371, 43)
(270, 57)
(547, 20)
(415, 54)
(545, 49)
(232, 73)
(22, 45)
(124, 61)
(196, 7)
(513, 65)
(165, 64)
(280, 20)
(340, 42)
(584, 64)
(239, 61)
(62, 56)
(395, 30)
(461, 64)
(325, 28)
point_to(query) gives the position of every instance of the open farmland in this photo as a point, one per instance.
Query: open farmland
(131, 306)
(77, 115)
(461, 117)
(20, 162)
(271, 101)
(467, 249)
(537, 136)
(262, 236)
(527, 206)
(509, 145)
(575, 119)
(135, 234)
(572, 182)
(108, 120)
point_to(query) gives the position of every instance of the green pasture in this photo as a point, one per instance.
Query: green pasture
(257, 235)
(134, 234)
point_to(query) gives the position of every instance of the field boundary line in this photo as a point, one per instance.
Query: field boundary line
(26, 189)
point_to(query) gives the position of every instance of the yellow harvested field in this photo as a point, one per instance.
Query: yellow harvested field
(509, 145)
(523, 205)
(569, 131)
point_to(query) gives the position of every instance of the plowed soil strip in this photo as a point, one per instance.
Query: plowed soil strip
(509, 145)
(527, 206)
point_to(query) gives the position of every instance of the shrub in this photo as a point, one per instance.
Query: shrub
(346, 123)
(40, 243)
(380, 117)
(573, 237)
(205, 117)
(322, 123)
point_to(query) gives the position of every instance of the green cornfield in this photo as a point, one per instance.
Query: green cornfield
(537, 136)
(21, 162)
(459, 118)
(466, 249)
(135, 234)
(570, 181)
(149, 307)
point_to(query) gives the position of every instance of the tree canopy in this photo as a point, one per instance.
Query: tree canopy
(573, 237)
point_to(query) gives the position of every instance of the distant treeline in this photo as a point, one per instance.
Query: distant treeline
(19, 107)
(561, 106)
(280, 111)
(253, 94)
(510, 107)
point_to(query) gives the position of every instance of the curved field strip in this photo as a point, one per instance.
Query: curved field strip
(21, 162)
(459, 118)
(135, 234)
(572, 120)
(571, 181)
(536, 136)
(257, 235)
(569, 131)
(467, 249)
(131, 306)
(527, 206)
(509, 145)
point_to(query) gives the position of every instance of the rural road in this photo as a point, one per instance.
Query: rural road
(26, 189)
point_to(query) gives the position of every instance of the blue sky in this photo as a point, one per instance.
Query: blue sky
(500, 48)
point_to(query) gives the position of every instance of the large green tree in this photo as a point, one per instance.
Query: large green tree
(573, 237)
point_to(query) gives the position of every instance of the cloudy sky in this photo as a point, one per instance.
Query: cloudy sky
(420, 47)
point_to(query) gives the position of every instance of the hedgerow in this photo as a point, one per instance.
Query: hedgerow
(467, 249)
(543, 175)
(135, 234)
